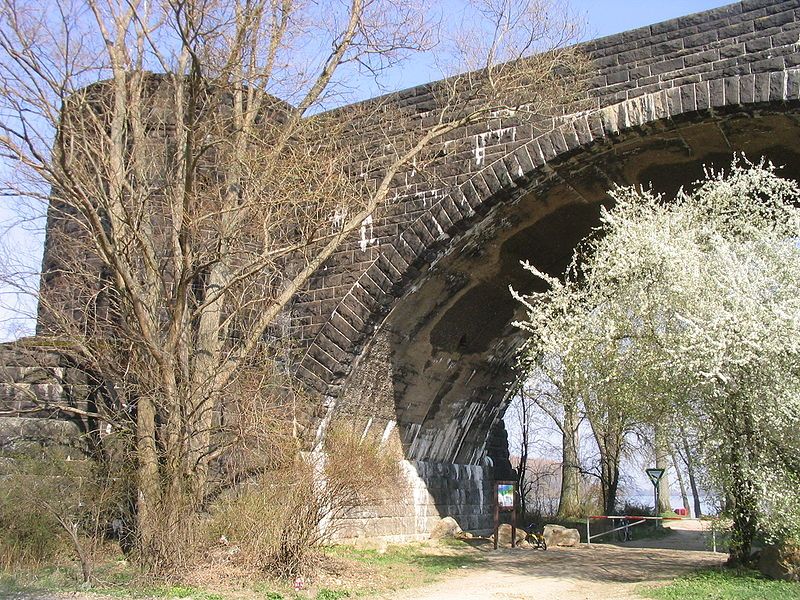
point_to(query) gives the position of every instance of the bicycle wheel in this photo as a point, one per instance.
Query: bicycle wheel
(624, 534)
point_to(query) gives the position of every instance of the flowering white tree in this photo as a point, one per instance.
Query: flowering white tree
(692, 307)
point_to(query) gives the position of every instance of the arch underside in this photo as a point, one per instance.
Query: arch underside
(436, 371)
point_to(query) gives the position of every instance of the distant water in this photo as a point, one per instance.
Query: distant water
(706, 505)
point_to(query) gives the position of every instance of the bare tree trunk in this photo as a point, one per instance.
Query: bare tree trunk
(522, 468)
(569, 500)
(689, 462)
(148, 480)
(662, 462)
(681, 484)
(608, 429)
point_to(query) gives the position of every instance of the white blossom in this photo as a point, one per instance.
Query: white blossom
(692, 307)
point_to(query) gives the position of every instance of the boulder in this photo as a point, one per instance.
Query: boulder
(445, 528)
(780, 562)
(558, 535)
(504, 535)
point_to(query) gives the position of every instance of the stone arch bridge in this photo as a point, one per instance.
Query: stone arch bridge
(408, 327)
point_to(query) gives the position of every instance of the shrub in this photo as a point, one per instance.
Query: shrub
(31, 535)
(48, 505)
(277, 520)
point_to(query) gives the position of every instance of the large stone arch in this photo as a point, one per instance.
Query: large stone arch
(407, 310)
(528, 167)
(383, 322)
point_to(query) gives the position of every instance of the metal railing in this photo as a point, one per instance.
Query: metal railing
(637, 520)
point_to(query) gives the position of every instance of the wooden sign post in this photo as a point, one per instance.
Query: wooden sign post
(505, 500)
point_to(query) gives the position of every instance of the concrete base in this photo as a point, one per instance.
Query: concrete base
(434, 490)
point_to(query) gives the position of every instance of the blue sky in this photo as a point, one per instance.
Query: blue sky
(605, 17)
(23, 241)
(600, 17)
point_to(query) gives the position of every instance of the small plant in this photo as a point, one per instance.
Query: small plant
(281, 518)
(326, 594)
(48, 504)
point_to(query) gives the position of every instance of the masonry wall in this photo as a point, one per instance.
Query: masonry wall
(434, 490)
(741, 53)
(32, 381)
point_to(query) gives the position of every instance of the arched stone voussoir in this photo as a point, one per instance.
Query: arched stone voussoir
(330, 355)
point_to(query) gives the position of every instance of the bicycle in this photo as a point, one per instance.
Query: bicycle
(534, 538)
(624, 534)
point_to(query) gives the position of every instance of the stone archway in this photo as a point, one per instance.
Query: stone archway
(434, 370)
(409, 327)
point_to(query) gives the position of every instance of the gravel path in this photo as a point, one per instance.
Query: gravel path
(587, 572)
(595, 572)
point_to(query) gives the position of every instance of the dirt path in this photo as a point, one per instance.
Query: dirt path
(596, 572)
(587, 572)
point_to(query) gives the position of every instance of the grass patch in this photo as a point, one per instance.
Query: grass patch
(51, 578)
(113, 579)
(408, 555)
(326, 594)
(348, 572)
(725, 584)
(176, 591)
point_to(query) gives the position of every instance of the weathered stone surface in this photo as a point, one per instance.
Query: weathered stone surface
(25, 435)
(504, 535)
(655, 77)
(558, 535)
(780, 562)
(446, 528)
(435, 490)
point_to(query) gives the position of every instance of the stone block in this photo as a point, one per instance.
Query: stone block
(558, 535)
(775, 20)
(446, 528)
(716, 88)
(793, 85)
(704, 38)
(504, 535)
(762, 85)
(786, 38)
(666, 66)
(493, 183)
(777, 86)
(732, 91)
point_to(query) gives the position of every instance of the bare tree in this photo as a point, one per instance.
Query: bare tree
(609, 426)
(688, 458)
(538, 476)
(679, 476)
(552, 390)
(521, 414)
(195, 190)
